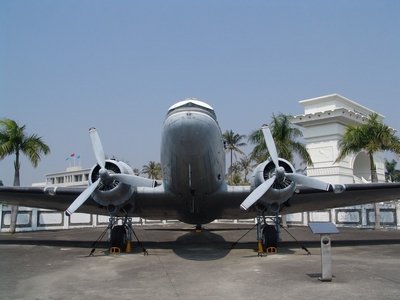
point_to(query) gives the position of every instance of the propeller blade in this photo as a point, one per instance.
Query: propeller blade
(134, 180)
(269, 140)
(308, 181)
(82, 198)
(257, 193)
(97, 147)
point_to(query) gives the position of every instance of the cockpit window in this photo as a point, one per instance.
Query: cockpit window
(192, 103)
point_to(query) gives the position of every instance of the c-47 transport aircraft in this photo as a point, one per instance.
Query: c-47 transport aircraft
(193, 189)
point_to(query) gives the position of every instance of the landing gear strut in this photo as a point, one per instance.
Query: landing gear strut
(120, 236)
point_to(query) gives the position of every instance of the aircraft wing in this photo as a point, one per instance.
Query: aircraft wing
(157, 203)
(307, 199)
(148, 202)
(49, 198)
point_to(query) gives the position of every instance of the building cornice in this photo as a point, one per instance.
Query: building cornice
(335, 101)
(340, 115)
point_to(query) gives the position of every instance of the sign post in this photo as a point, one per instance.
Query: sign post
(325, 229)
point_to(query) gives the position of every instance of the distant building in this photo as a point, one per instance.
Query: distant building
(73, 176)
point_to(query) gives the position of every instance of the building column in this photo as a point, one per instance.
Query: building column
(34, 220)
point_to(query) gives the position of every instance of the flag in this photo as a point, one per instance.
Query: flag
(72, 154)
(67, 158)
(78, 157)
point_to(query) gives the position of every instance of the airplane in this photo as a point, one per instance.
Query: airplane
(193, 189)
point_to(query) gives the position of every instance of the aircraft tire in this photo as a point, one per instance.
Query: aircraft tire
(270, 236)
(118, 237)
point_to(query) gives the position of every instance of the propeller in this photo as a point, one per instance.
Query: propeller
(269, 140)
(97, 148)
(105, 175)
(279, 174)
(134, 180)
(308, 181)
(82, 198)
(257, 193)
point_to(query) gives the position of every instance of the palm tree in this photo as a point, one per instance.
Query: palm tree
(152, 170)
(232, 142)
(285, 140)
(236, 179)
(391, 174)
(371, 137)
(14, 141)
(245, 165)
(235, 168)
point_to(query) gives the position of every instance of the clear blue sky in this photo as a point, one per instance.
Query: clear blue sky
(66, 66)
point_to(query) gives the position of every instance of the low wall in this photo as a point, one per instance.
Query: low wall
(31, 219)
(362, 216)
(354, 216)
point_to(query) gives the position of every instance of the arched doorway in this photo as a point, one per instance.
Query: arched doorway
(361, 166)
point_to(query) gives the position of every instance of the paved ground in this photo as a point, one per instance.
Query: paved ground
(183, 264)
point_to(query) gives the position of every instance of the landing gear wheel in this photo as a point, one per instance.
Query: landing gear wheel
(270, 237)
(118, 237)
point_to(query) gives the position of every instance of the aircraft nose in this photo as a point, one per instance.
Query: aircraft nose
(188, 131)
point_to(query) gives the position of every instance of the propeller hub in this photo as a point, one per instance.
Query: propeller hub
(280, 174)
(103, 173)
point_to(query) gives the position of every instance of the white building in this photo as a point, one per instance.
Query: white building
(323, 124)
(73, 176)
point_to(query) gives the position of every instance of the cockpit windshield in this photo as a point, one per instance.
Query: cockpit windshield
(194, 104)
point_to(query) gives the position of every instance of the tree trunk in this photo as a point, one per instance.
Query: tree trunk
(14, 215)
(374, 178)
(14, 208)
(230, 169)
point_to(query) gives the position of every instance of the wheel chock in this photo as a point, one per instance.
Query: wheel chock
(260, 248)
(115, 250)
(128, 247)
(272, 250)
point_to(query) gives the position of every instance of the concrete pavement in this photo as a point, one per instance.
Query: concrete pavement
(183, 264)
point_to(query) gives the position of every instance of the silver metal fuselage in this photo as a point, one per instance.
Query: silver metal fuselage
(192, 157)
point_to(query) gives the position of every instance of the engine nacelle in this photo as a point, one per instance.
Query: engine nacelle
(279, 192)
(111, 193)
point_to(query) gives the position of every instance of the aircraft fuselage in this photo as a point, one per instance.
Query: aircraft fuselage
(192, 153)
